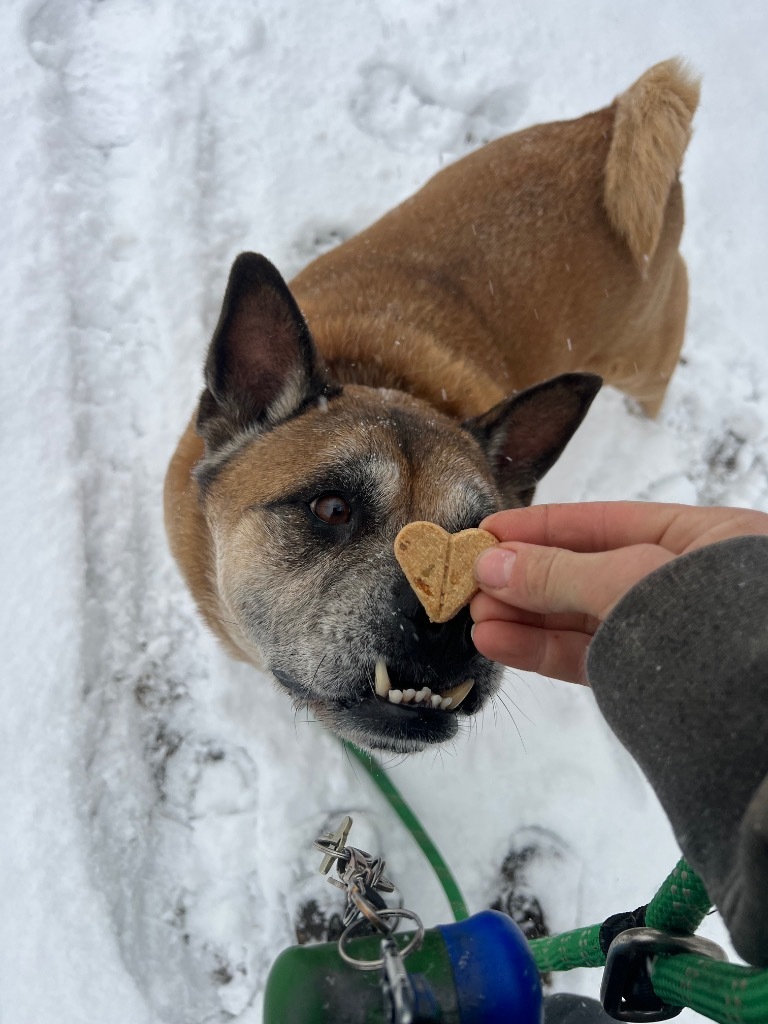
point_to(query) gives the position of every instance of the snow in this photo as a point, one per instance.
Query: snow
(158, 801)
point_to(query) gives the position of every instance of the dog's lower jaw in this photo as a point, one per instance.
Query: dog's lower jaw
(376, 724)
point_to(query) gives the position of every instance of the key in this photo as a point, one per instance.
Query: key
(332, 844)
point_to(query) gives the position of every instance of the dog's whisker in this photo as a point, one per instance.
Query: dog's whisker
(317, 669)
(393, 761)
(533, 690)
(346, 756)
(500, 698)
(495, 712)
(516, 706)
(438, 753)
(499, 702)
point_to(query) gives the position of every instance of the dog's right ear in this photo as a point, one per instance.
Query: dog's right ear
(262, 366)
(524, 436)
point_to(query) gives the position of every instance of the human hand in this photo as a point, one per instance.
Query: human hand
(560, 569)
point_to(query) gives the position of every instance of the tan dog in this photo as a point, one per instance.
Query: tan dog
(375, 392)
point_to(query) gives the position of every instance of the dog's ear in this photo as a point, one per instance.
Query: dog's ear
(524, 436)
(262, 366)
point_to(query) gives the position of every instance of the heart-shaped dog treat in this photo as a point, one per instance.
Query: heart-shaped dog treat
(439, 565)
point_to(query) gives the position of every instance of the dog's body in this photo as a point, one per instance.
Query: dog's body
(320, 433)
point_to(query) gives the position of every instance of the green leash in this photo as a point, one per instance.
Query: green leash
(398, 804)
(679, 906)
(723, 992)
(727, 993)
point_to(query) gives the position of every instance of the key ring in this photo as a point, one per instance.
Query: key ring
(375, 965)
(366, 908)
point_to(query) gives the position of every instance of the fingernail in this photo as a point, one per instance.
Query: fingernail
(494, 567)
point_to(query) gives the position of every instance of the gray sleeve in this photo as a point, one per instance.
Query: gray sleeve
(680, 672)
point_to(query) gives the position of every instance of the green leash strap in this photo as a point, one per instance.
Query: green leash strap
(723, 992)
(727, 993)
(396, 801)
(681, 903)
(678, 906)
(579, 948)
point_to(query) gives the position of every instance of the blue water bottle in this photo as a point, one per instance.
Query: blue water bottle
(478, 971)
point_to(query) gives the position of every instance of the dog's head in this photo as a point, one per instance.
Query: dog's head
(304, 486)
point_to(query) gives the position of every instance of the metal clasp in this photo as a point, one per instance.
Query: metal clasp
(399, 997)
(627, 992)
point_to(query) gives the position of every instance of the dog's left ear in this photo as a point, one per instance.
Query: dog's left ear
(524, 436)
(262, 364)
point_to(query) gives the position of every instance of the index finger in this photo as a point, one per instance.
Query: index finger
(607, 525)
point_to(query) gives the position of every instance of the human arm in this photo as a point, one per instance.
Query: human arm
(678, 664)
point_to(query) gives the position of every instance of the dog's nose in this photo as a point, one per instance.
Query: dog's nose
(416, 633)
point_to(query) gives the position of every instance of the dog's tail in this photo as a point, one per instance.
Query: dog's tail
(651, 131)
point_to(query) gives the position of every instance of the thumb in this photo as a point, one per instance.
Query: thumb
(550, 580)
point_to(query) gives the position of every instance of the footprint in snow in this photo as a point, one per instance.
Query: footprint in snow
(314, 907)
(538, 882)
(97, 51)
(391, 105)
(313, 240)
(189, 901)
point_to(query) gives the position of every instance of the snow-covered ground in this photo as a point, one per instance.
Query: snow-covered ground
(157, 801)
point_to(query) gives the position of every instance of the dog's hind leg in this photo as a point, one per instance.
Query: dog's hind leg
(645, 377)
(664, 345)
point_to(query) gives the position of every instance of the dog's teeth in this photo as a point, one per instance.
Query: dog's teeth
(457, 694)
(444, 701)
(383, 685)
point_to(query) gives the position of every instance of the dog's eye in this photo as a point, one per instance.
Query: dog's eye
(332, 509)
